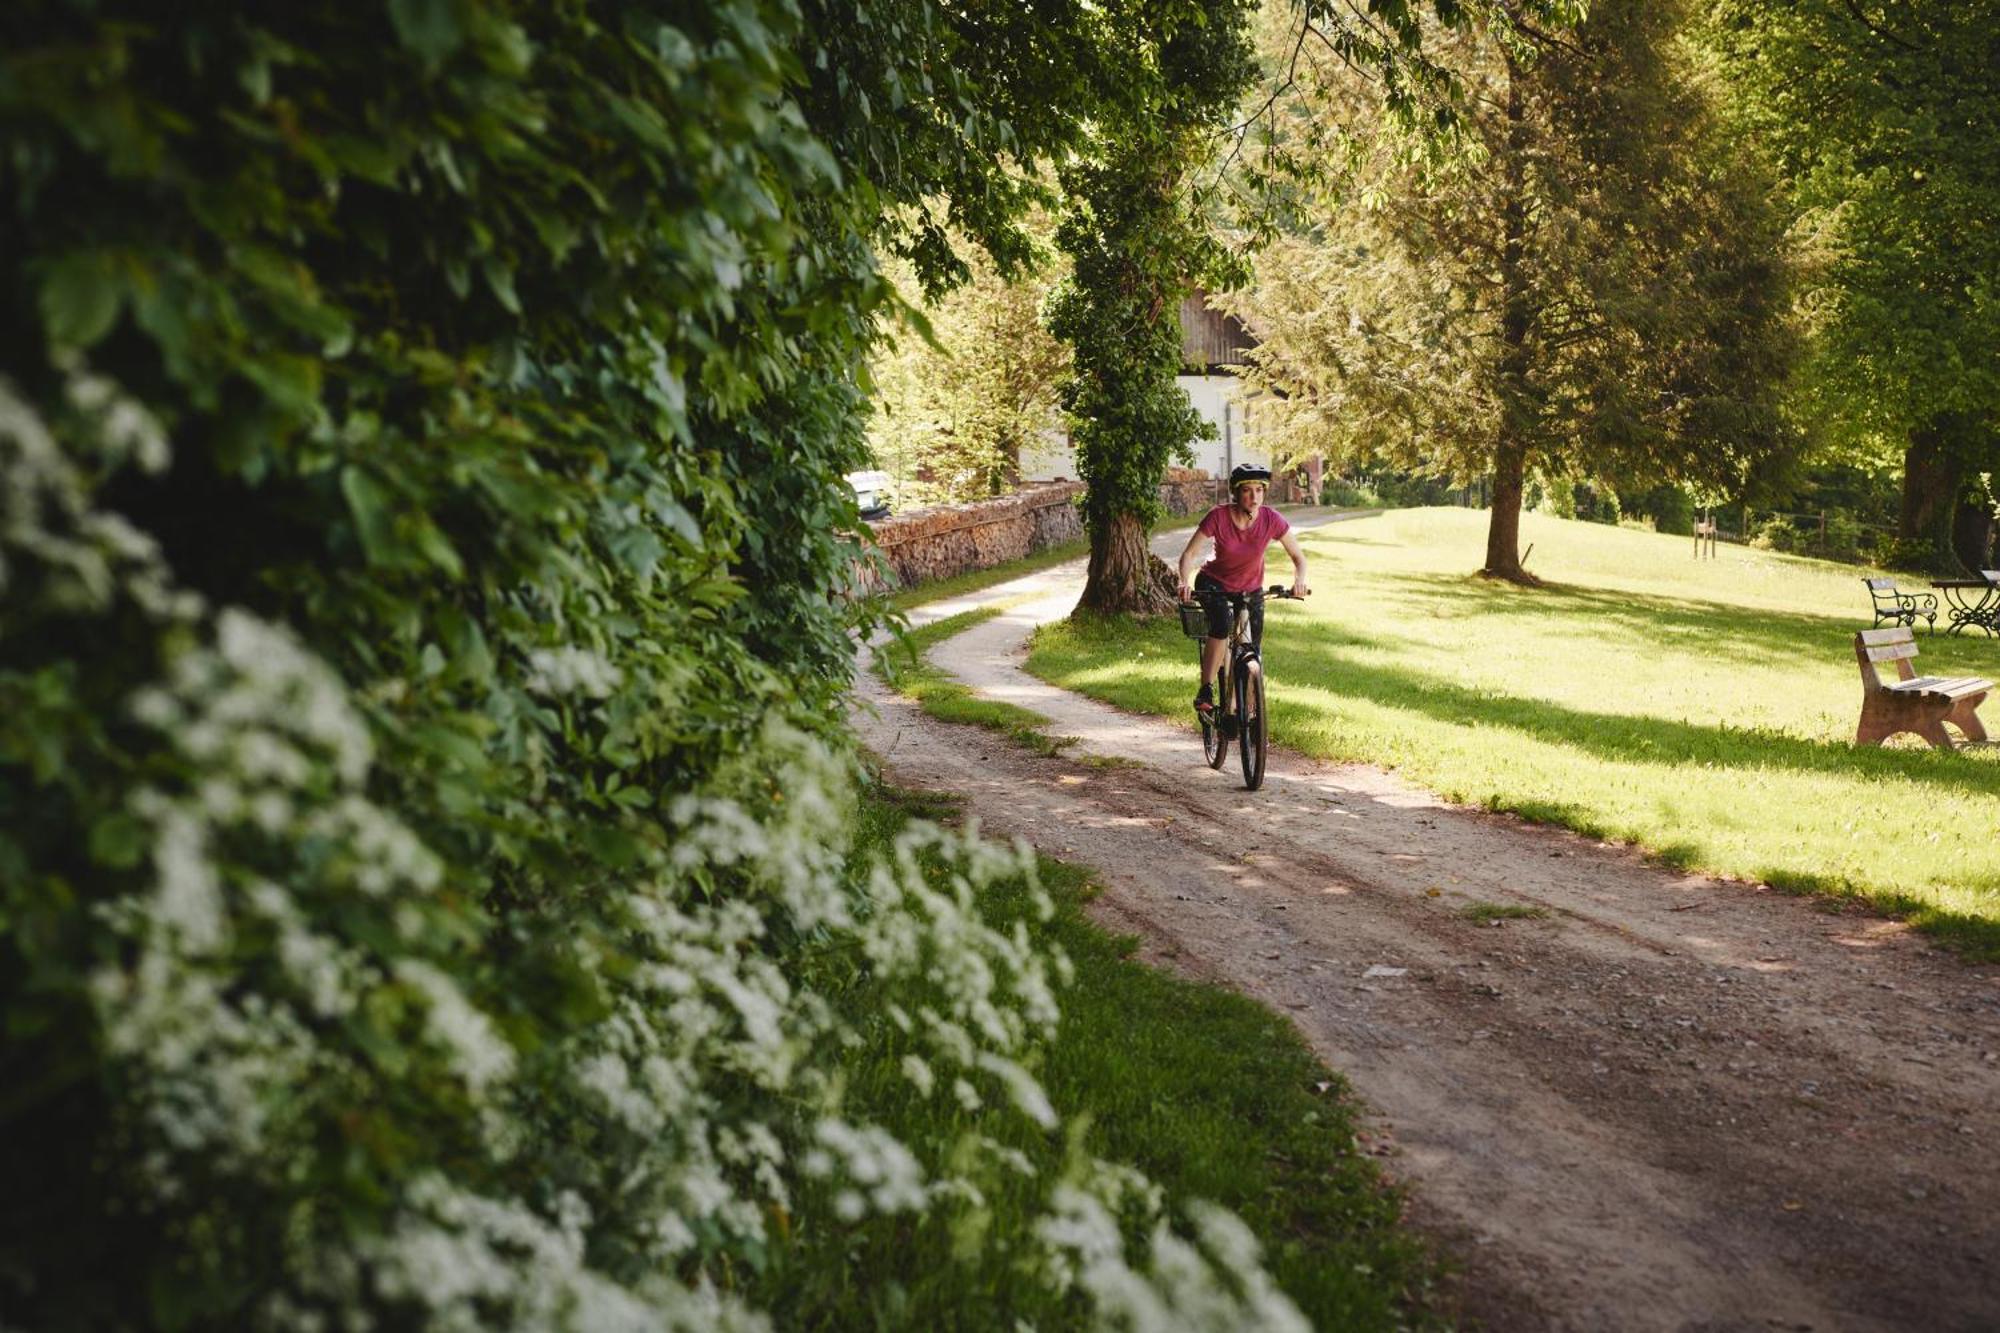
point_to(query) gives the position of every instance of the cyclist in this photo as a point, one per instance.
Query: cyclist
(1240, 530)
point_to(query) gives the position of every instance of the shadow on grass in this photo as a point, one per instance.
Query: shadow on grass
(1733, 633)
(1325, 654)
(1619, 736)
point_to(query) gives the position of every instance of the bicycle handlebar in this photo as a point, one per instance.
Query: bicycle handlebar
(1280, 590)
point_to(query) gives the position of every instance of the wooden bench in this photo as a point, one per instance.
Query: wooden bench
(1901, 608)
(1922, 704)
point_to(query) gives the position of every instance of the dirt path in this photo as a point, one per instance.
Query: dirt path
(1674, 1103)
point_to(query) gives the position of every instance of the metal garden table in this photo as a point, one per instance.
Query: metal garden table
(1974, 603)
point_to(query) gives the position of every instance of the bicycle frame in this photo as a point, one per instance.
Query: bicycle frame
(1242, 650)
(1238, 714)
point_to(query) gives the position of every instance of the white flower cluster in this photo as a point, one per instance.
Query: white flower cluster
(476, 1265)
(260, 717)
(46, 514)
(1179, 1290)
(569, 670)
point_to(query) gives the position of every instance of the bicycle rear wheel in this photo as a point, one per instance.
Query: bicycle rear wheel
(1214, 740)
(1250, 737)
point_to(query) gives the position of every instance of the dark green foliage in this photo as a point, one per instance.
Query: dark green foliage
(1880, 124)
(1594, 292)
(510, 355)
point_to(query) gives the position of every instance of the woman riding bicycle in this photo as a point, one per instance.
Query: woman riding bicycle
(1240, 531)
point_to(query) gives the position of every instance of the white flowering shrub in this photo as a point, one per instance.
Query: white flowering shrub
(582, 1114)
(427, 897)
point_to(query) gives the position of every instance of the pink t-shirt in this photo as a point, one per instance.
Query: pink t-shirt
(1238, 565)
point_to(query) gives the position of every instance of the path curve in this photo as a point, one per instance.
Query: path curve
(1675, 1103)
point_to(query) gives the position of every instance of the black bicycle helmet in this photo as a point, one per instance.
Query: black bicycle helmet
(1243, 472)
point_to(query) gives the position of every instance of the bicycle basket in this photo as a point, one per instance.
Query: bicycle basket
(1194, 620)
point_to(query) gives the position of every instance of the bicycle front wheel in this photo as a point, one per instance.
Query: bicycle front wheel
(1250, 728)
(1214, 740)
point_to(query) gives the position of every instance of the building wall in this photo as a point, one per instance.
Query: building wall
(1219, 399)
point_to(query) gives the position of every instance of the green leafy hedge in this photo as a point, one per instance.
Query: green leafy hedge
(421, 638)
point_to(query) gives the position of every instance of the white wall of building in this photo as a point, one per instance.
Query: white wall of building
(1049, 458)
(1219, 399)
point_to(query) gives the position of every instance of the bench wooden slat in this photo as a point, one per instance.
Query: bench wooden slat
(1900, 634)
(1939, 683)
(1941, 688)
(1890, 652)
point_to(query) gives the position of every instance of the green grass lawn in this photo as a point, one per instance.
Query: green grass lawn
(1213, 1096)
(1701, 709)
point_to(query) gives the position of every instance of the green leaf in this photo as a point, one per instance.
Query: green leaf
(80, 300)
(369, 505)
(437, 549)
(118, 840)
(428, 27)
(678, 521)
(501, 279)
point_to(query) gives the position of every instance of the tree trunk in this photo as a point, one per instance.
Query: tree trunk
(1503, 532)
(1932, 476)
(1125, 576)
(1972, 535)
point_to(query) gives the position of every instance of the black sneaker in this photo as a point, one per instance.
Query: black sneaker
(1204, 700)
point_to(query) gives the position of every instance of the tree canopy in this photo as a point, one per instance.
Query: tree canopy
(1881, 124)
(1588, 286)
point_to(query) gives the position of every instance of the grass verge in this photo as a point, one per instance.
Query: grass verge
(1211, 1095)
(904, 666)
(1701, 709)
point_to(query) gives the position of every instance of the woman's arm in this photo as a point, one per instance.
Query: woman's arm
(1188, 562)
(1300, 587)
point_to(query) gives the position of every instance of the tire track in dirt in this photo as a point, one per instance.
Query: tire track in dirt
(1675, 1103)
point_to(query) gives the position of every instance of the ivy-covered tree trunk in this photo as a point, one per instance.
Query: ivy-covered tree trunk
(1972, 531)
(1137, 243)
(1942, 529)
(1930, 485)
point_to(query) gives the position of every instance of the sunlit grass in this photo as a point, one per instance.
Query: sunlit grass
(1701, 709)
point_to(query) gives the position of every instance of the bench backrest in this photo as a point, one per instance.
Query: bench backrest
(1898, 645)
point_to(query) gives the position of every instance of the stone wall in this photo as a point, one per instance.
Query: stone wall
(929, 544)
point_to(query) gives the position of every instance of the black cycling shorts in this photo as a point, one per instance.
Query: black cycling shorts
(1217, 602)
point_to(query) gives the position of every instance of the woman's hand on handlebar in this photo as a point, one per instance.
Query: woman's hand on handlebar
(1300, 588)
(1187, 593)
